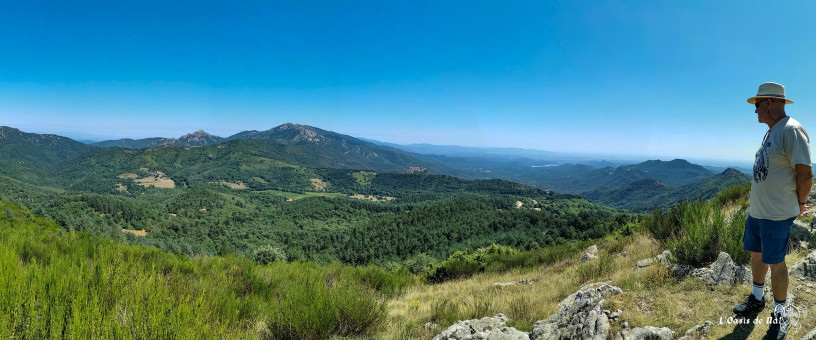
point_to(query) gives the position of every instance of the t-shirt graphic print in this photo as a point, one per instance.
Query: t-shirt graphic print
(761, 161)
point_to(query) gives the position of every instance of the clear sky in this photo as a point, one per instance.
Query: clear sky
(663, 78)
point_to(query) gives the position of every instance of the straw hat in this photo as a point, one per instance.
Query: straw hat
(770, 90)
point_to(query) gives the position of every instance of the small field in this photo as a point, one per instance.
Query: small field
(162, 182)
(319, 184)
(373, 198)
(297, 196)
(235, 186)
(157, 179)
(364, 177)
(141, 232)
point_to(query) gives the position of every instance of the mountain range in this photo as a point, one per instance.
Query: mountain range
(294, 150)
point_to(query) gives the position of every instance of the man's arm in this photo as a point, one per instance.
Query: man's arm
(804, 177)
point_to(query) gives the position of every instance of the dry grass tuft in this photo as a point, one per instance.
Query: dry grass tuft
(652, 296)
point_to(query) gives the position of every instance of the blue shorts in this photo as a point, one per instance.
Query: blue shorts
(767, 237)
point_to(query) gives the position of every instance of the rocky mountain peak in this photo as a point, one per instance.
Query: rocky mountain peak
(731, 171)
(197, 134)
(304, 132)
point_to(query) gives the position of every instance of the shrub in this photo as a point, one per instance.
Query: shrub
(697, 232)
(464, 264)
(8, 214)
(732, 194)
(420, 263)
(267, 254)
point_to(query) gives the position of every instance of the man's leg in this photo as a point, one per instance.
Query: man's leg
(779, 280)
(759, 268)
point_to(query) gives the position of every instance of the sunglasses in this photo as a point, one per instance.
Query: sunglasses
(756, 104)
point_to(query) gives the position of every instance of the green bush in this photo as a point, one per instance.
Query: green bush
(58, 284)
(701, 236)
(464, 264)
(733, 194)
(267, 254)
(696, 232)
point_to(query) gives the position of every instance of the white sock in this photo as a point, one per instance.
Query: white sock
(758, 291)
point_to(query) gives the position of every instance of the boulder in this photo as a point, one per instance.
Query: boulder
(488, 328)
(800, 232)
(697, 332)
(664, 257)
(590, 253)
(805, 268)
(645, 333)
(644, 263)
(580, 315)
(722, 271)
(810, 336)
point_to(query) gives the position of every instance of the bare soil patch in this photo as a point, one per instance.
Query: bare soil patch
(135, 232)
(319, 184)
(373, 198)
(157, 179)
(129, 175)
(236, 186)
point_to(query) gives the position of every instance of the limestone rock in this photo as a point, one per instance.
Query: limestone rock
(723, 271)
(645, 333)
(800, 232)
(488, 328)
(643, 263)
(697, 332)
(580, 315)
(590, 253)
(806, 267)
(664, 257)
(810, 336)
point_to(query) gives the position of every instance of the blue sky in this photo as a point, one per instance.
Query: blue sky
(656, 78)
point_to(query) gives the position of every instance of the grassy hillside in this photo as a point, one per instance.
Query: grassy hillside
(58, 284)
(652, 296)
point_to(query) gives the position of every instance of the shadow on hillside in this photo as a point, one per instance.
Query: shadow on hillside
(743, 330)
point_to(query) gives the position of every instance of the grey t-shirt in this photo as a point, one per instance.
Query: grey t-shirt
(773, 191)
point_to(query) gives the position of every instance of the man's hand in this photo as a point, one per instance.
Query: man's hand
(803, 210)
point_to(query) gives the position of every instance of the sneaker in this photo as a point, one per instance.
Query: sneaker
(781, 322)
(750, 305)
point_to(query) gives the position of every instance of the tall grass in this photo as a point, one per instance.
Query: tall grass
(58, 284)
(496, 258)
(697, 232)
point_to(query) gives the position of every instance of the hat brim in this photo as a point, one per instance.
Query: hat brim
(753, 100)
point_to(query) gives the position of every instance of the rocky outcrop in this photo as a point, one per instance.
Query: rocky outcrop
(810, 336)
(590, 253)
(698, 332)
(805, 268)
(489, 328)
(644, 263)
(722, 271)
(580, 315)
(645, 333)
(665, 258)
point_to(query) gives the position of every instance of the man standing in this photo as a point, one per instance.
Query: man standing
(781, 184)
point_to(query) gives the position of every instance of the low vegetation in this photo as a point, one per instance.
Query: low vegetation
(59, 284)
(696, 232)
(653, 296)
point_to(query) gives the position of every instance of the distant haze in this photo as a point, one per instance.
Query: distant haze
(658, 79)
